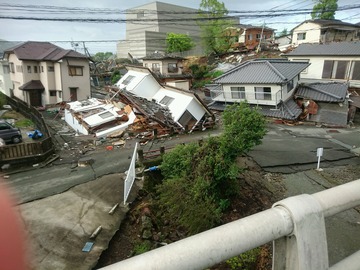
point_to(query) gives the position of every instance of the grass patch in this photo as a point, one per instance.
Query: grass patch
(23, 123)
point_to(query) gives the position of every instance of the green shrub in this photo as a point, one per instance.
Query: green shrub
(23, 123)
(245, 261)
(142, 247)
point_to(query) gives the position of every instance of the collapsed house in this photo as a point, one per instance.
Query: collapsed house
(324, 103)
(139, 104)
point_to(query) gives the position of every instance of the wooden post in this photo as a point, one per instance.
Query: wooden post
(162, 150)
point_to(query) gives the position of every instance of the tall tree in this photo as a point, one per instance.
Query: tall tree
(178, 42)
(216, 34)
(101, 56)
(324, 9)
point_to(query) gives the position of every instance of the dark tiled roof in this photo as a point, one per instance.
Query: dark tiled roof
(32, 85)
(333, 48)
(328, 92)
(42, 51)
(249, 26)
(288, 110)
(265, 71)
(331, 23)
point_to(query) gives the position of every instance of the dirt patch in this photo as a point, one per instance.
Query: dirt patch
(259, 192)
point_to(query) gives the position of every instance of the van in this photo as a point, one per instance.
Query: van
(9, 133)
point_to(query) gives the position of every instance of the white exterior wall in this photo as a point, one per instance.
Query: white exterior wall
(285, 94)
(17, 78)
(315, 70)
(180, 84)
(312, 31)
(82, 83)
(250, 94)
(180, 103)
(143, 85)
(5, 81)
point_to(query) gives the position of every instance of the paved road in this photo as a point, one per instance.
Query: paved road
(284, 149)
(55, 221)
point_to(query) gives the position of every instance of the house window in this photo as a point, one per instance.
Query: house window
(29, 69)
(335, 69)
(59, 94)
(186, 118)
(146, 65)
(42, 68)
(166, 100)
(75, 71)
(19, 68)
(105, 115)
(12, 69)
(290, 85)
(250, 37)
(355, 70)
(35, 69)
(51, 69)
(52, 93)
(258, 36)
(263, 93)
(237, 92)
(172, 68)
(155, 67)
(301, 36)
(128, 79)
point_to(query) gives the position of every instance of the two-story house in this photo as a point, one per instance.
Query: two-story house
(251, 35)
(269, 83)
(324, 31)
(43, 73)
(185, 107)
(336, 61)
(168, 69)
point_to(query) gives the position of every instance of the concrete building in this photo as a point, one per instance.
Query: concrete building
(42, 73)
(143, 38)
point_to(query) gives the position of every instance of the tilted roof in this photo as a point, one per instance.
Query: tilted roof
(262, 71)
(328, 92)
(329, 23)
(333, 48)
(42, 51)
(32, 85)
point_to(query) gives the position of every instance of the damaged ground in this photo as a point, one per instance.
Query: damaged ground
(287, 158)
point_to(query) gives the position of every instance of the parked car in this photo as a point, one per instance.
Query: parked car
(9, 133)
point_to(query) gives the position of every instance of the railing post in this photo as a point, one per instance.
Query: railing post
(306, 247)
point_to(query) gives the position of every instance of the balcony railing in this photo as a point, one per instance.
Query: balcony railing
(262, 98)
(296, 225)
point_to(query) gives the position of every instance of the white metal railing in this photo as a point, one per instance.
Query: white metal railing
(264, 98)
(296, 225)
(131, 175)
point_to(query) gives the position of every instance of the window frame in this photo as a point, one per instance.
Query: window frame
(78, 70)
(237, 92)
(174, 69)
(301, 36)
(166, 100)
(128, 79)
(265, 94)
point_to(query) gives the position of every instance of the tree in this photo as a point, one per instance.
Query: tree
(200, 180)
(178, 43)
(284, 32)
(101, 56)
(216, 33)
(324, 9)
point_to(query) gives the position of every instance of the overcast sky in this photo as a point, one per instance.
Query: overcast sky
(24, 30)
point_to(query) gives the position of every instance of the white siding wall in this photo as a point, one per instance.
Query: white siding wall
(312, 33)
(250, 94)
(180, 103)
(315, 70)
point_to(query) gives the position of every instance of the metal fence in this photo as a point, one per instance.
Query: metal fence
(131, 174)
(296, 225)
